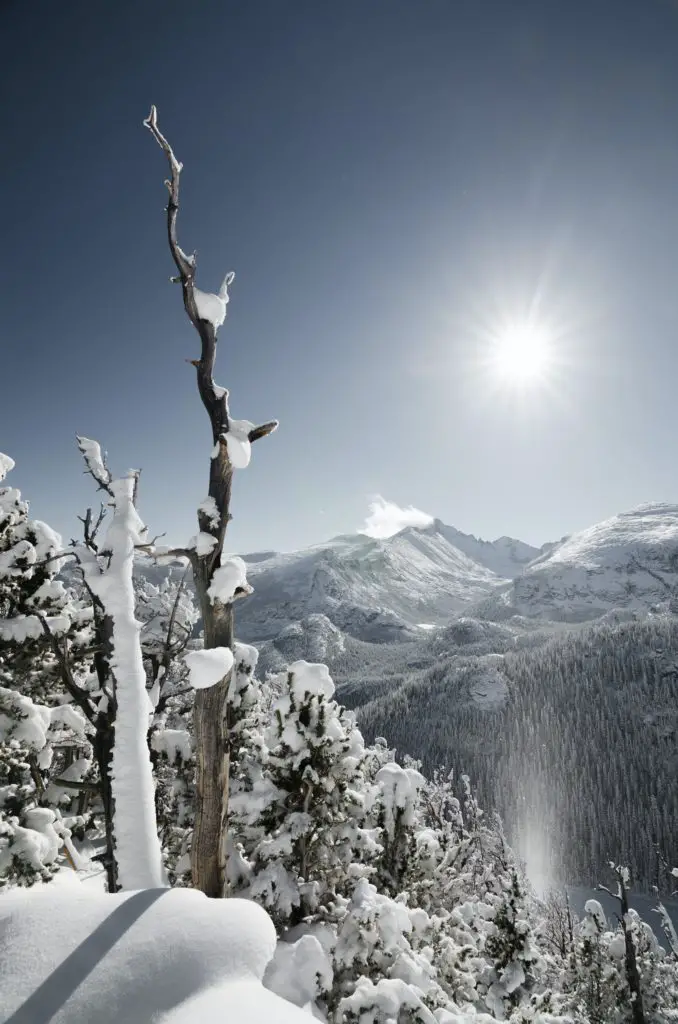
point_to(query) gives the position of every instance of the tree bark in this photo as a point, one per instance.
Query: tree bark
(102, 746)
(210, 717)
(630, 961)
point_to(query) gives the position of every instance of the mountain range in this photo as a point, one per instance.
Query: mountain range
(549, 675)
(390, 590)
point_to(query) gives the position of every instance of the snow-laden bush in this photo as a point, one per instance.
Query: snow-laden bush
(298, 799)
(44, 741)
(394, 898)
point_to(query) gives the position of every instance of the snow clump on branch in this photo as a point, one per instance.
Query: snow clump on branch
(238, 443)
(229, 580)
(212, 307)
(208, 667)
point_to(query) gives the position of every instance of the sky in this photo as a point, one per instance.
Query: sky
(393, 181)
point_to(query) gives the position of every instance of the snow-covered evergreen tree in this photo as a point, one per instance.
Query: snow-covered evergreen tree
(298, 815)
(44, 747)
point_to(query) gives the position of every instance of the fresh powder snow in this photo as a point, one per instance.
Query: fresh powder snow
(94, 460)
(138, 851)
(212, 307)
(238, 443)
(203, 544)
(208, 507)
(229, 578)
(208, 667)
(70, 955)
(6, 465)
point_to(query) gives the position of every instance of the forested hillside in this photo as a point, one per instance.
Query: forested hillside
(582, 753)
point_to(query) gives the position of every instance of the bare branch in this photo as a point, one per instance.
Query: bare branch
(95, 463)
(150, 543)
(89, 787)
(79, 695)
(604, 888)
(263, 431)
(152, 552)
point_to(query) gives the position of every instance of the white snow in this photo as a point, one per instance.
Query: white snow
(208, 507)
(246, 658)
(174, 743)
(399, 792)
(138, 851)
(6, 465)
(208, 667)
(228, 578)
(21, 628)
(616, 564)
(595, 921)
(91, 452)
(416, 576)
(312, 680)
(71, 955)
(204, 543)
(300, 971)
(238, 443)
(212, 307)
(26, 723)
(36, 842)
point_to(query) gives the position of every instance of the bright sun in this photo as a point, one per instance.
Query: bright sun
(521, 353)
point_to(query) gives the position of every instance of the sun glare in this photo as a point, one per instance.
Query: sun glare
(521, 353)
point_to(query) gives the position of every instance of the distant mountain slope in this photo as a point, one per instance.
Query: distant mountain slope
(376, 590)
(627, 562)
(572, 741)
(505, 556)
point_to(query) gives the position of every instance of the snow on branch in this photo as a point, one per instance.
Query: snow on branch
(229, 581)
(205, 310)
(95, 462)
(6, 465)
(208, 667)
(110, 580)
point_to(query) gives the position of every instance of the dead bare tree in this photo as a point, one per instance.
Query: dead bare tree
(630, 960)
(208, 851)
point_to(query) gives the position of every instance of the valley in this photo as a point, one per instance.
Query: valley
(556, 689)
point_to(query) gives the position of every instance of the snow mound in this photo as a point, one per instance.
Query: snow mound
(158, 955)
(308, 680)
(238, 443)
(212, 307)
(208, 667)
(228, 579)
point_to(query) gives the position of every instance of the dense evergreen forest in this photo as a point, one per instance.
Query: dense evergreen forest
(582, 751)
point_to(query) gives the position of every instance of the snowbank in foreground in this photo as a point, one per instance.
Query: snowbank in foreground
(159, 956)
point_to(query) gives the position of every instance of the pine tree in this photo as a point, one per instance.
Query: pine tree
(45, 750)
(307, 785)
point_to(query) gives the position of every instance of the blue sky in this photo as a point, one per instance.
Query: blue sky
(390, 180)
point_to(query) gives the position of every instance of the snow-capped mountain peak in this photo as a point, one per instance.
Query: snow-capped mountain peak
(373, 588)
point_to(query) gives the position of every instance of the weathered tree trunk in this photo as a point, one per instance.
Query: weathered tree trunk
(102, 746)
(210, 718)
(630, 962)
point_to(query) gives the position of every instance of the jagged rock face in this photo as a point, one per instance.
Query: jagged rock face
(314, 639)
(506, 557)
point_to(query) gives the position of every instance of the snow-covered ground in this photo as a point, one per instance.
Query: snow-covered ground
(72, 955)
